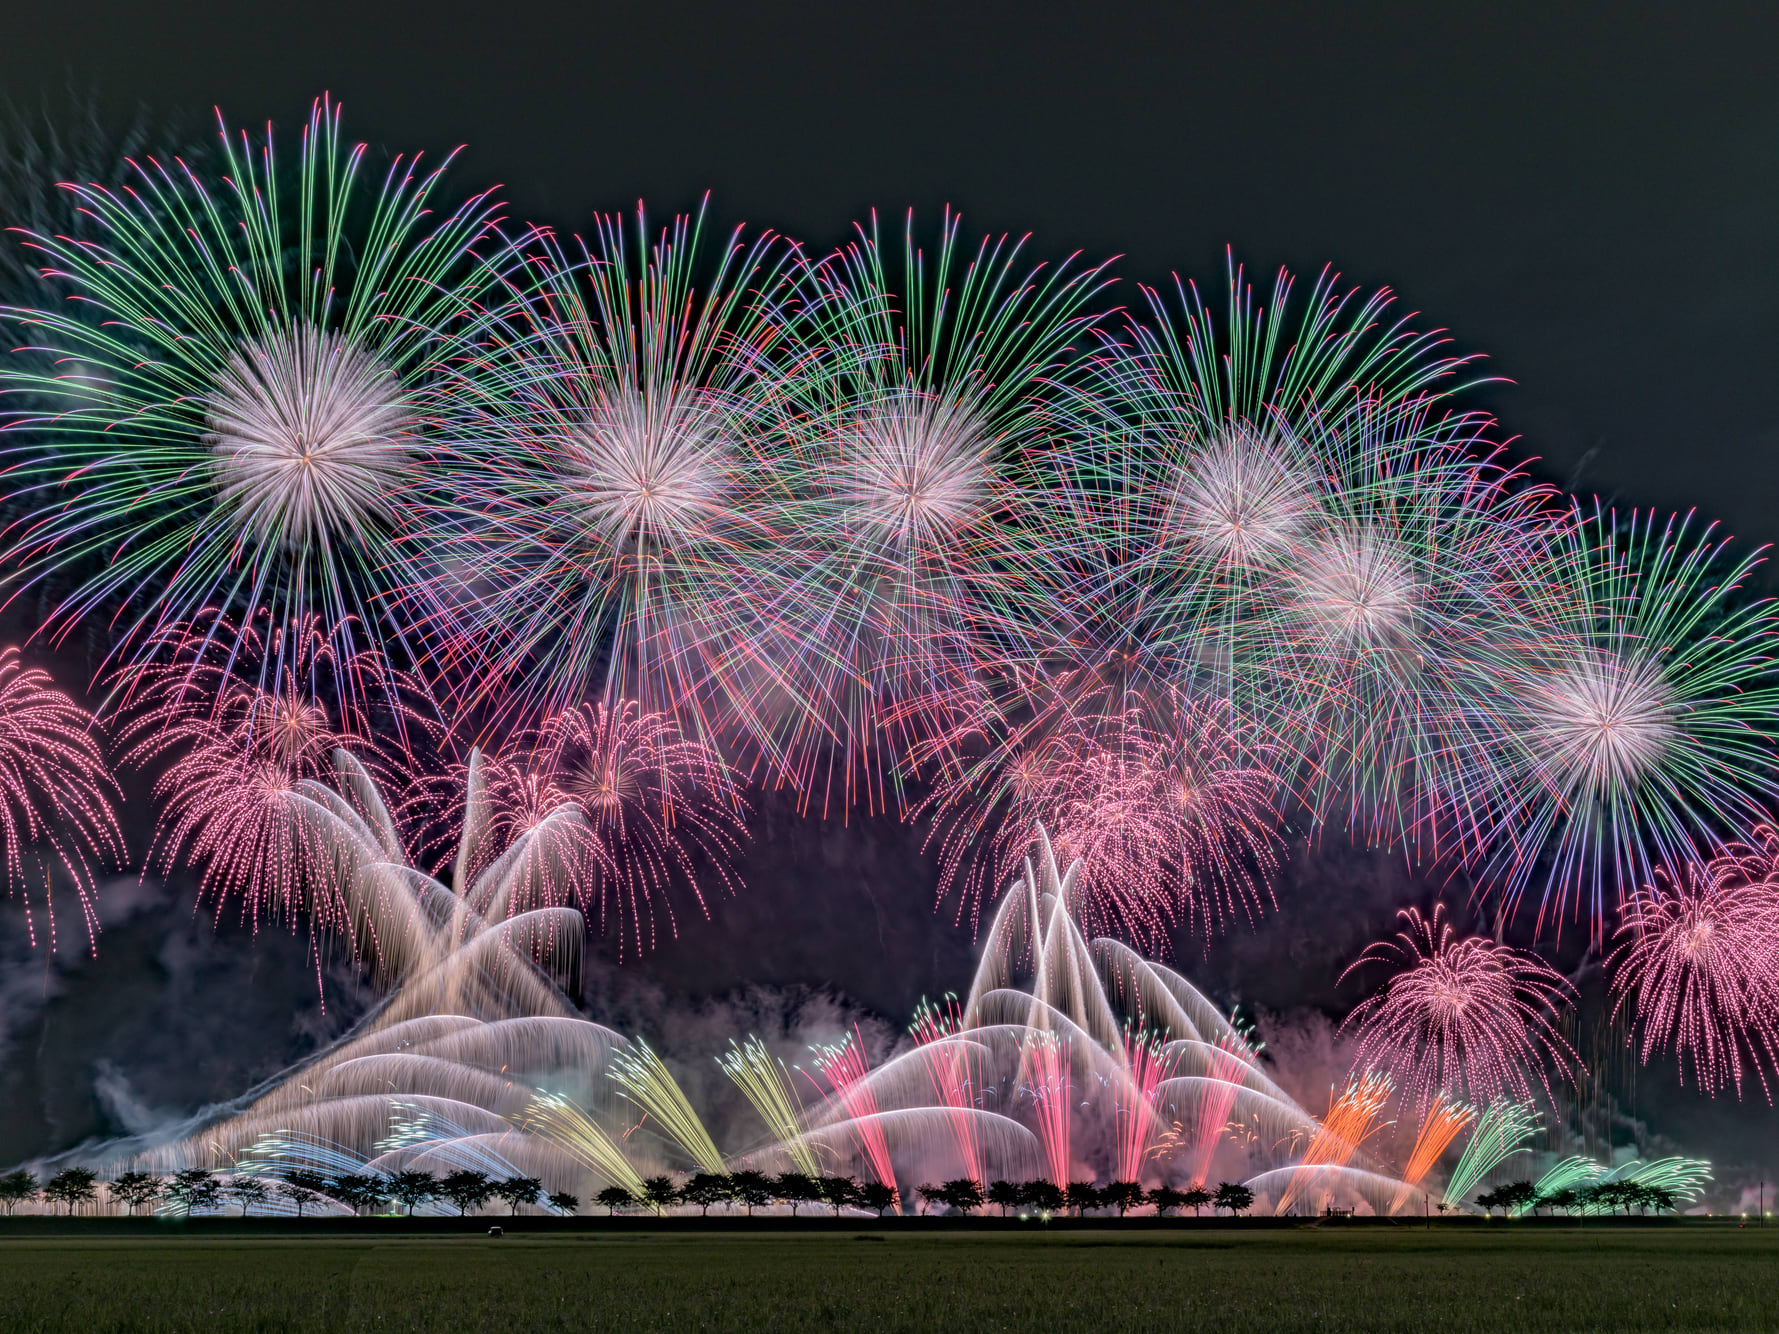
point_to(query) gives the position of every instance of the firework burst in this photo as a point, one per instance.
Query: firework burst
(55, 792)
(1464, 1017)
(1697, 959)
(223, 413)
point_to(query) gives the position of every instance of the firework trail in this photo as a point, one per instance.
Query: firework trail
(1047, 1075)
(1697, 960)
(1503, 1130)
(55, 792)
(846, 1070)
(224, 413)
(646, 1082)
(623, 809)
(1460, 1016)
(1351, 1120)
(939, 1033)
(1146, 1066)
(767, 1085)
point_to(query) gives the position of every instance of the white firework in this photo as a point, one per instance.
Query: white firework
(1358, 592)
(309, 435)
(914, 470)
(1241, 500)
(1605, 721)
(649, 470)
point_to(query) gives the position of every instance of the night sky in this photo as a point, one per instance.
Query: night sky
(1589, 201)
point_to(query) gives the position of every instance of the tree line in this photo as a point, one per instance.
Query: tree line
(1611, 1196)
(197, 1190)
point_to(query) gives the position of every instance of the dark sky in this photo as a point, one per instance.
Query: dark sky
(1589, 200)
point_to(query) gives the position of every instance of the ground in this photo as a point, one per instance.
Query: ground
(1233, 1280)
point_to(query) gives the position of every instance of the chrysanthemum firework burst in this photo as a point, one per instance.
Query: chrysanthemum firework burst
(603, 529)
(1697, 965)
(1639, 721)
(920, 400)
(56, 795)
(1466, 1017)
(614, 811)
(224, 413)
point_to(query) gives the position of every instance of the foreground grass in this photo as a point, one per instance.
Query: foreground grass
(1231, 1281)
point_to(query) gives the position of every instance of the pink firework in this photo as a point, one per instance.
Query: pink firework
(1170, 816)
(1469, 1017)
(1697, 964)
(612, 808)
(55, 792)
(952, 1068)
(249, 738)
(846, 1068)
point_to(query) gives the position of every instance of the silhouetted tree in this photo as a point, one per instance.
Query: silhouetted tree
(1196, 1199)
(247, 1192)
(467, 1190)
(660, 1192)
(71, 1186)
(1124, 1195)
(567, 1203)
(614, 1198)
(413, 1187)
(796, 1188)
(16, 1188)
(876, 1196)
(838, 1192)
(1007, 1194)
(517, 1190)
(1082, 1196)
(1166, 1198)
(135, 1189)
(963, 1194)
(302, 1188)
(194, 1189)
(1233, 1196)
(1044, 1196)
(706, 1189)
(752, 1189)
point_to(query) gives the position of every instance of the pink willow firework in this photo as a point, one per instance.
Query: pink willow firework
(55, 792)
(1466, 1017)
(1698, 963)
(1171, 817)
(624, 806)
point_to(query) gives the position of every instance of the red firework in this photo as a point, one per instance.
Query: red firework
(1697, 965)
(608, 806)
(55, 792)
(1469, 1017)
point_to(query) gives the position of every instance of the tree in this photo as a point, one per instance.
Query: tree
(1125, 1195)
(71, 1186)
(16, 1188)
(1196, 1199)
(752, 1189)
(467, 1190)
(1165, 1198)
(360, 1191)
(837, 1192)
(876, 1196)
(1082, 1196)
(706, 1189)
(660, 1193)
(1233, 1196)
(614, 1198)
(1007, 1194)
(565, 1202)
(963, 1194)
(1044, 1196)
(519, 1190)
(930, 1195)
(1563, 1199)
(302, 1188)
(796, 1188)
(413, 1187)
(1659, 1198)
(247, 1192)
(194, 1189)
(1521, 1195)
(1489, 1201)
(135, 1189)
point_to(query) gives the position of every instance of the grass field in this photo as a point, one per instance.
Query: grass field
(1237, 1281)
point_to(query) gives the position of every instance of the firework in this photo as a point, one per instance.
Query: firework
(767, 1085)
(225, 413)
(1639, 731)
(1352, 1119)
(645, 1082)
(1503, 1130)
(602, 510)
(55, 791)
(1460, 1015)
(1696, 962)
(623, 810)
(1147, 1064)
(1047, 1073)
(846, 1070)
